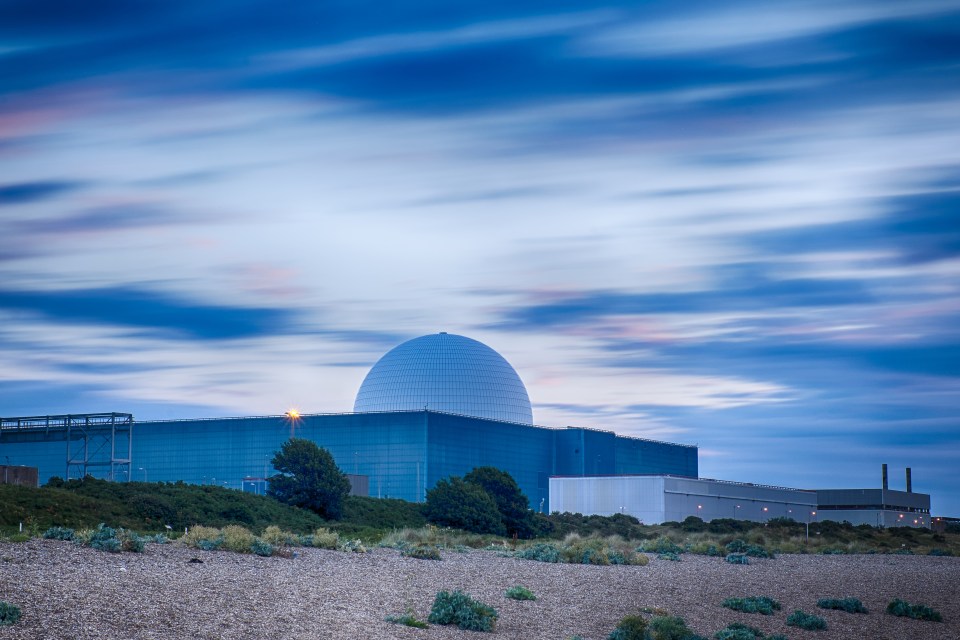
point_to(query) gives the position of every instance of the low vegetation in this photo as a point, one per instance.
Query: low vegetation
(804, 620)
(519, 592)
(577, 550)
(408, 619)
(740, 631)
(630, 628)
(737, 558)
(9, 613)
(916, 611)
(850, 605)
(459, 609)
(753, 604)
(421, 552)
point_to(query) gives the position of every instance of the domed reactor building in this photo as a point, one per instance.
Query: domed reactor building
(432, 407)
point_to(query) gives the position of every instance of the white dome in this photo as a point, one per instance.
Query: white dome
(449, 373)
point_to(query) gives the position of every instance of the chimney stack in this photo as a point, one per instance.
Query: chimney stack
(885, 487)
(909, 481)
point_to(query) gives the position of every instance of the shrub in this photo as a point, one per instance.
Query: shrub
(408, 619)
(325, 539)
(58, 533)
(737, 558)
(130, 541)
(158, 538)
(262, 548)
(9, 613)
(541, 552)
(668, 628)
(916, 611)
(512, 504)
(669, 556)
(806, 621)
(460, 609)
(277, 537)
(618, 556)
(850, 605)
(199, 534)
(352, 546)
(662, 544)
(519, 593)
(939, 552)
(705, 549)
(736, 546)
(754, 604)
(586, 552)
(756, 551)
(457, 503)
(630, 628)
(738, 631)
(237, 539)
(422, 552)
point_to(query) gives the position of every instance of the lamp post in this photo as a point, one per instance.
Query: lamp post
(144, 472)
(813, 514)
(735, 511)
(700, 511)
(765, 511)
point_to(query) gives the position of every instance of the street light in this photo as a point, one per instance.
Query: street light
(765, 510)
(735, 511)
(144, 473)
(814, 514)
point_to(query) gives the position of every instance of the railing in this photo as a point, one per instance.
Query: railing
(64, 421)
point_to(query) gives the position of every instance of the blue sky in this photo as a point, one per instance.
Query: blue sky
(729, 224)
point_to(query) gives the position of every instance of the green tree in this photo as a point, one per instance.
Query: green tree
(463, 505)
(513, 506)
(308, 478)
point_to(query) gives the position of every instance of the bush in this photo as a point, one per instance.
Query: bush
(277, 537)
(352, 546)
(581, 551)
(105, 538)
(323, 538)
(850, 605)
(9, 613)
(736, 546)
(541, 552)
(630, 628)
(262, 548)
(58, 533)
(200, 537)
(669, 556)
(738, 631)
(408, 619)
(916, 611)
(422, 552)
(705, 549)
(463, 505)
(806, 621)
(460, 609)
(754, 604)
(737, 558)
(756, 551)
(519, 593)
(237, 539)
(668, 628)
(662, 544)
(940, 552)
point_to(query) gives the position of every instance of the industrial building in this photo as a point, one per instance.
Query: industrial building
(432, 407)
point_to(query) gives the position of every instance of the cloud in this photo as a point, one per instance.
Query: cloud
(145, 309)
(27, 192)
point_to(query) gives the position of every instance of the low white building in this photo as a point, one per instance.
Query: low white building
(657, 499)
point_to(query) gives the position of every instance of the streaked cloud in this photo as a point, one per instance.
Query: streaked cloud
(734, 225)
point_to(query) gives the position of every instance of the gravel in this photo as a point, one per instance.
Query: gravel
(66, 591)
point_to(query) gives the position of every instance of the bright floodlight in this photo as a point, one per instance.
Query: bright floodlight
(293, 414)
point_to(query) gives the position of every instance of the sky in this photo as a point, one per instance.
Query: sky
(735, 225)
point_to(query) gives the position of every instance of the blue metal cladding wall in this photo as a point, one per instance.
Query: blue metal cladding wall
(636, 456)
(457, 444)
(389, 448)
(47, 453)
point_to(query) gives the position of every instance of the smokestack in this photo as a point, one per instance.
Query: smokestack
(885, 477)
(909, 481)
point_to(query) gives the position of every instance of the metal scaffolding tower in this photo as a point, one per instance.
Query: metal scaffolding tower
(98, 444)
